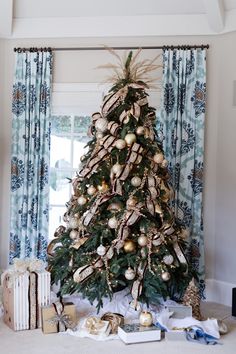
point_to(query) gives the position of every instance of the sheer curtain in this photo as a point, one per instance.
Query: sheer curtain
(181, 129)
(30, 154)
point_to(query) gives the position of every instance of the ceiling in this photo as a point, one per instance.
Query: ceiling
(99, 18)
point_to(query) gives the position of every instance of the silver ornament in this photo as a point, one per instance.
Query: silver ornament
(145, 319)
(73, 223)
(120, 144)
(91, 190)
(168, 259)
(101, 250)
(129, 274)
(136, 181)
(81, 200)
(165, 276)
(142, 240)
(101, 125)
(113, 222)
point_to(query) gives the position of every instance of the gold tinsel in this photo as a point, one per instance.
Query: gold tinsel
(192, 298)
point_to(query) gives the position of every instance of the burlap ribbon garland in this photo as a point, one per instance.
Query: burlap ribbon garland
(137, 285)
(89, 214)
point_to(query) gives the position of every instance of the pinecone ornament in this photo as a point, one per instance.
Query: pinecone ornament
(192, 298)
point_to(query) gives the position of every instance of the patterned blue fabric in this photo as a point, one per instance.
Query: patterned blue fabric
(30, 155)
(181, 130)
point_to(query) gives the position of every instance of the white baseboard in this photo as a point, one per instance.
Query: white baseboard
(219, 291)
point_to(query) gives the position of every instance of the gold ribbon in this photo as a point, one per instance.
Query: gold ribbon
(137, 285)
(113, 100)
(84, 272)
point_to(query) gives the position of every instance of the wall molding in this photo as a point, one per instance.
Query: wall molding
(219, 291)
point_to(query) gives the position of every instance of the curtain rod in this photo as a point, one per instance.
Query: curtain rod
(164, 47)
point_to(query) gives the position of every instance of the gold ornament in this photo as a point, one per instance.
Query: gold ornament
(82, 200)
(101, 250)
(101, 124)
(140, 130)
(136, 181)
(113, 222)
(103, 187)
(117, 168)
(120, 144)
(130, 139)
(74, 234)
(129, 246)
(165, 276)
(142, 240)
(158, 158)
(129, 274)
(115, 206)
(168, 259)
(131, 202)
(145, 319)
(192, 298)
(91, 190)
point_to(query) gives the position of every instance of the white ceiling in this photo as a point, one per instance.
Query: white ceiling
(115, 18)
(87, 8)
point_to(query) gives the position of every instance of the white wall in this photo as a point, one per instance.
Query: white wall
(220, 174)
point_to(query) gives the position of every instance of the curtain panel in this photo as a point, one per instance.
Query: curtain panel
(30, 155)
(181, 129)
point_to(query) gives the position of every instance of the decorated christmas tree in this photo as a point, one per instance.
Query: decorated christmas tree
(120, 230)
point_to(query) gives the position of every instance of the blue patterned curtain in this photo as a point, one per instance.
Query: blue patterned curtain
(181, 129)
(30, 155)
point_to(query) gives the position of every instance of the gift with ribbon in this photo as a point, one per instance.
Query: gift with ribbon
(26, 287)
(58, 317)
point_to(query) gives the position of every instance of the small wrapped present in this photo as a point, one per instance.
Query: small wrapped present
(95, 326)
(26, 287)
(115, 320)
(58, 317)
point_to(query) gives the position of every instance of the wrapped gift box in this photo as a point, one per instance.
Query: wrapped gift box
(135, 333)
(23, 296)
(180, 311)
(58, 316)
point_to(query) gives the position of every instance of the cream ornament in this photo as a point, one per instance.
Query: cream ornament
(91, 190)
(82, 200)
(165, 276)
(120, 144)
(130, 139)
(129, 274)
(113, 222)
(136, 181)
(142, 240)
(74, 234)
(101, 250)
(117, 168)
(168, 259)
(140, 131)
(158, 158)
(101, 125)
(145, 319)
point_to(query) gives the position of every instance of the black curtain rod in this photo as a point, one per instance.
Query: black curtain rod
(164, 47)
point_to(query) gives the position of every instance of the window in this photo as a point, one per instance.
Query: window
(72, 107)
(68, 140)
